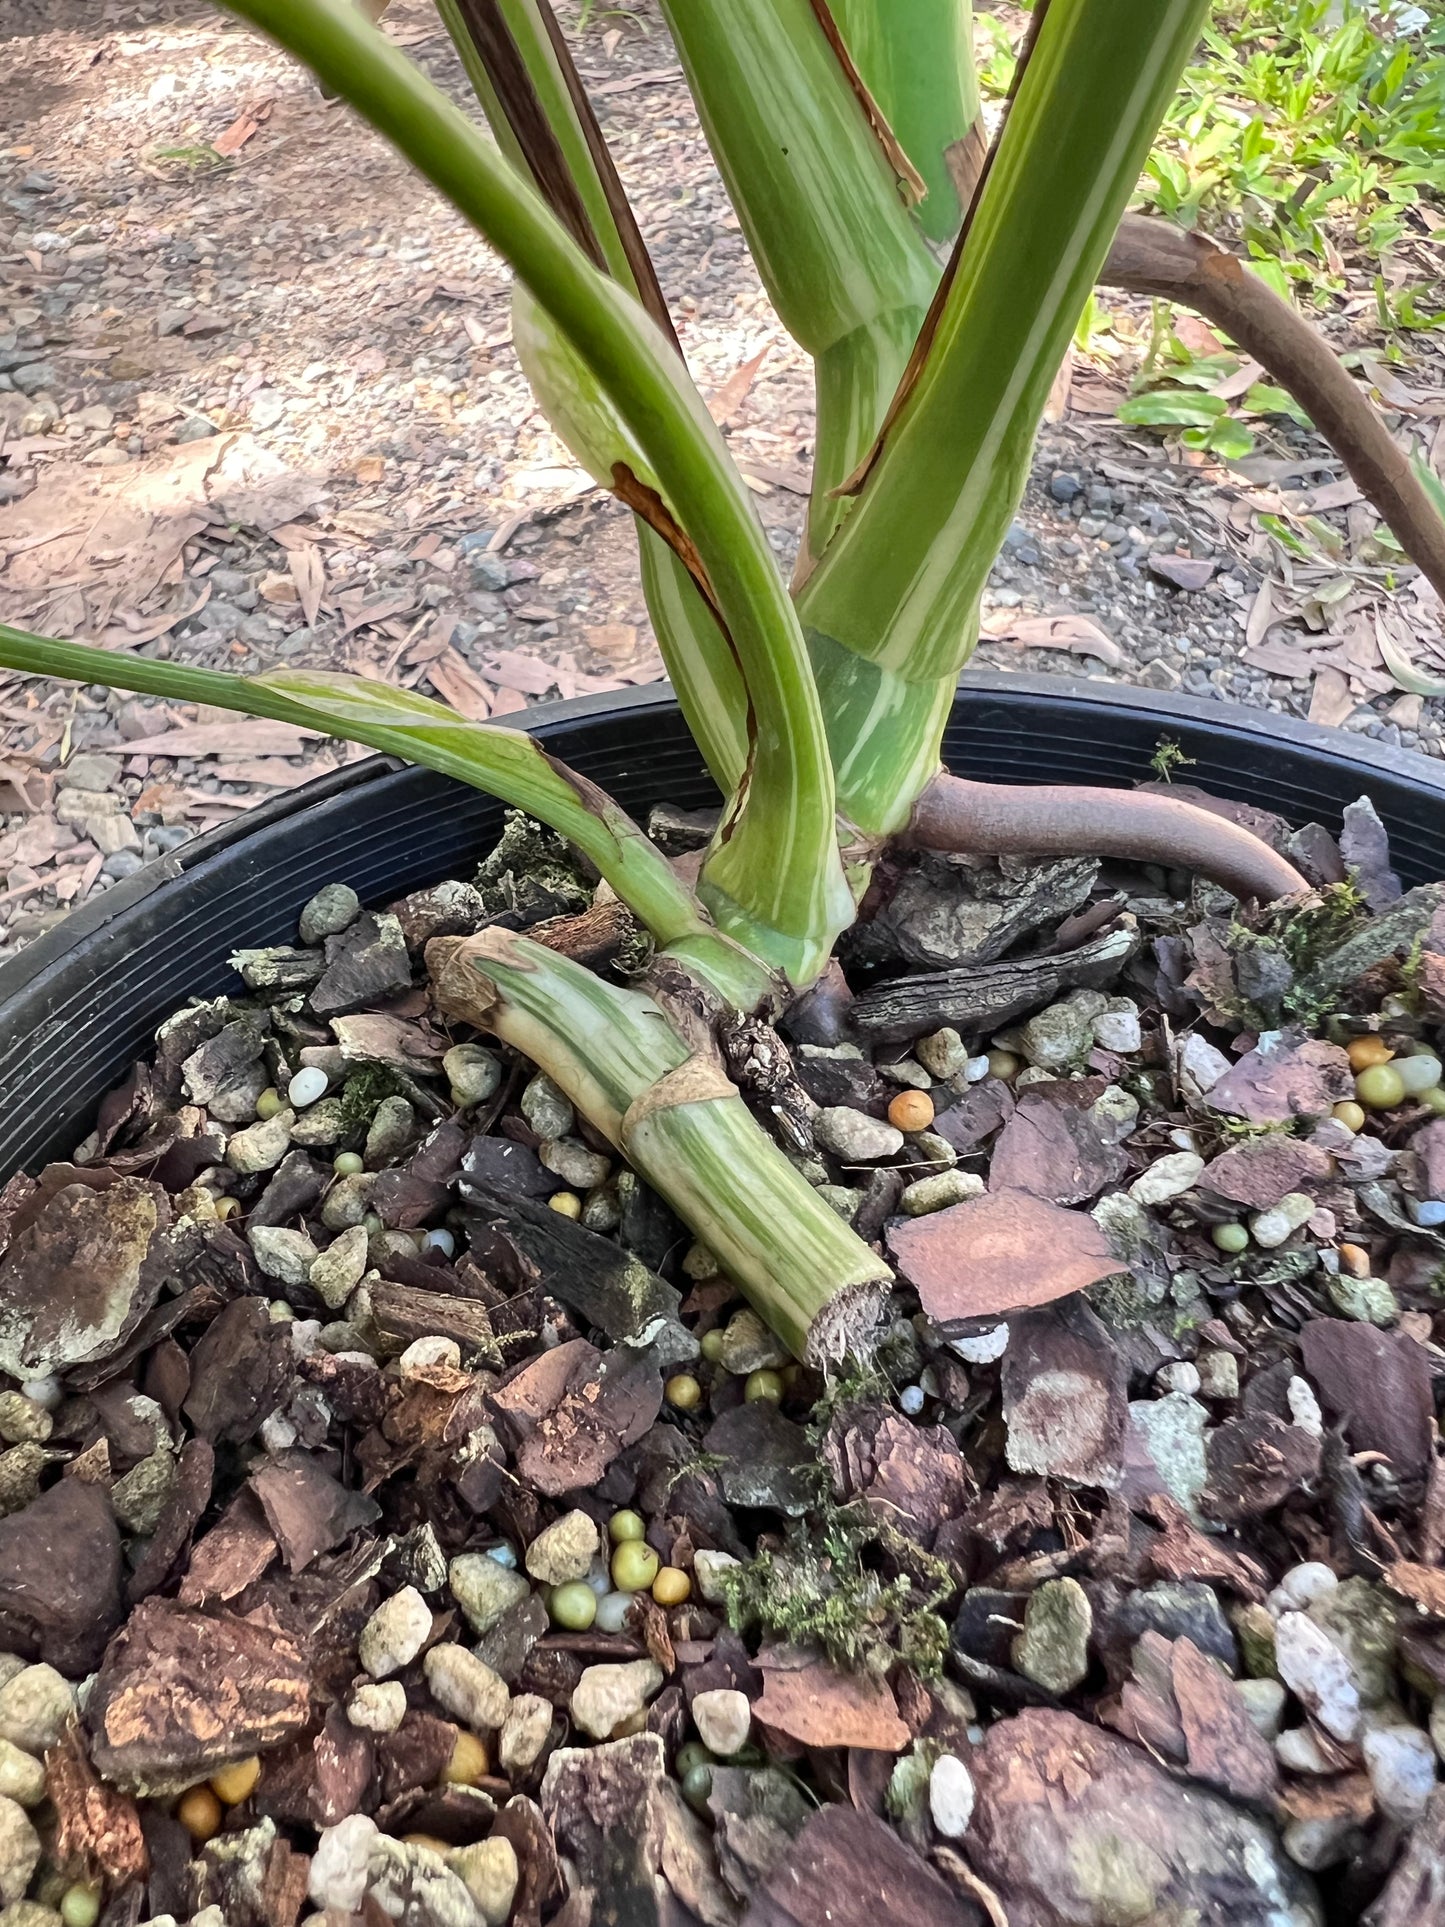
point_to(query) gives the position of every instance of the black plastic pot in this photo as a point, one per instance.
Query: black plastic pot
(79, 1005)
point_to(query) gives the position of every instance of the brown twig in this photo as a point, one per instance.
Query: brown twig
(1001, 819)
(1151, 257)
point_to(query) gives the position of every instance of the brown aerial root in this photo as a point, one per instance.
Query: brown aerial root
(1001, 819)
(1151, 257)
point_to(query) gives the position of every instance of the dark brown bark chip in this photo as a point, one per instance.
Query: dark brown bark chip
(981, 1110)
(77, 1280)
(571, 1411)
(403, 1313)
(912, 1476)
(308, 1510)
(1414, 1895)
(97, 1829)
(1074, 1824)
(1255, 1464)
(849, 1869)
(365, 964)
(1056, 1147)
(232, 1555)
(294, 1187)
(1182, 1552)
(253, 1876)
(1261, 1170)
(195, 1470)
(1226, 1748)
(541, 1885)
(182, 1692)
(1065, 1395)
(1378, 1384)
(239, 1371)
(766, 1459)
(1287, 1077)
(60, 1577)
(459, 1815)
(996, 1254)
(414, 1755)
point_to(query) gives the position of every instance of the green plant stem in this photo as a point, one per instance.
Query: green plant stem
(903, 576)
(784, 896)
(506, 763)
(917, 59)
(845, 266)
(812, 1278)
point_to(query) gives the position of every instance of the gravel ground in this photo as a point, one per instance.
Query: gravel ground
(264, 411)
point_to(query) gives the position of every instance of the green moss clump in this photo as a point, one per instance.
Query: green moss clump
(822, 1587)
(531, 874)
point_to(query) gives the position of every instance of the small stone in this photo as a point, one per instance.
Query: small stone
(379, 1707)
(1201, 1065)
(1370, 1301)
(564, 1551)
(938, 1192)
(982, 1348)
(474, 1073)
(1059, 1038)
(548, 1110)
(30, 1913)
(484, 1589)
(525, 1732)
(943, 1054)
(1270, 1228)
(390, 1133)
(1218, 1374)
(1064, 487)
(1317, 1844)
(723, 1719)
(1318, 1673)
(339, 1865)
(22, 1776)
(1264, 1702)
(950, 1796)
(607, 1696)
(337, 1271)
(286, 1256)
(306, 1087)
(1300, 1751)
(749, 1346)
(261, 1147)
(425, 1355)
(333, 909)
(1301, 1586)
(854, 1137)
(1168, 1177)
(139, 1500)
(708, 1569)
(35, 1705)
(395, 1633)
(1053, 1648)
(1401, 1764)
(1305, 1407)
(466, 1687)
(1118, 1028)
(22, 1420)
(19, 1851)
(1173, 1429)
(489, 1871)
(1181, 1376)
(569, 1159)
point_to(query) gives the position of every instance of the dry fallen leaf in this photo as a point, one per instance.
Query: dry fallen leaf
(1330, 699)
(723, 403)
(997, 1254)
(308, 572)
(1080, 635)
(457, 683)
(245, 737)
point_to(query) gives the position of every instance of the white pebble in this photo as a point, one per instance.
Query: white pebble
(1181, 1376)
(504, 1555)
(911, 1400)
(1299, 1749)
(395, 1633)
(45, 1392)
(424, 1354)
(708, 1568)
(338, 1866)
(975, 1070)
(379, 1707)
(982, 1348)
(1305, 1407)
(440, 1239)
(1401, 1764)
(1318, 1674)
(1301, 1586)
(1118, 1030)
(607, 1696)
(1168, 1177)
(1270, 1228)
(1316, 1844)
(950, 1796)
(723, 1718)
(1264, 1702)
(309, 1083)
(612, 1611)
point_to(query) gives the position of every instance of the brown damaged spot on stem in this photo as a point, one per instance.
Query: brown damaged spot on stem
(699, 1080)
(911, 183)
(457, 967)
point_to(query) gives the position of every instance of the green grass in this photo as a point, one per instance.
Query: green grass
(1306, 131)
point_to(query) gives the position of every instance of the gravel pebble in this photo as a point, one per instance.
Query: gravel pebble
(34, 1707)
(524, 1733)
(855, 1137)
(489, 1871)
(1301, 1586)
(19, 1851)
(378, 1707)
(950, 1796)
(1401, 1764)
(1319, 1675)
(564, 1550)
(723, 1718)
(609, 1695)
(466, 1687)
(337, 1271)
(938, 1192)
(1270, 1228)
(338, 1866)
(1168, 1177)
(395, 1633)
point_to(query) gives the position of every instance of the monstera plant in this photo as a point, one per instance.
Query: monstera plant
(935, 279)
